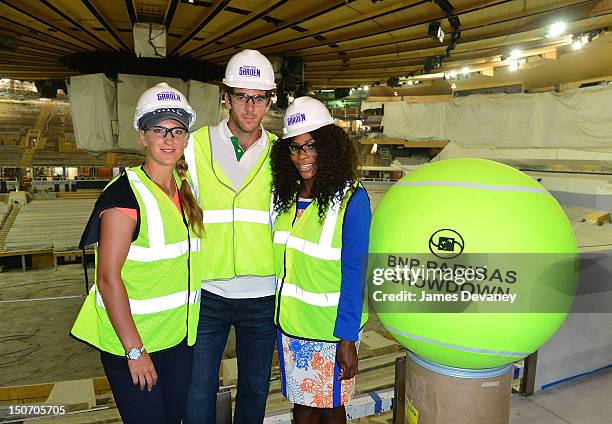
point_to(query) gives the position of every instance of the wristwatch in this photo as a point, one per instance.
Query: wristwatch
(134, 353)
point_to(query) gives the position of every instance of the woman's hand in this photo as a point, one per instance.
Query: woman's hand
(143, 371)
(346, 357)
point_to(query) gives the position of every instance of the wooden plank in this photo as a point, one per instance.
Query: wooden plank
(101, 386)
(598, 217)
(43, 260)
(375, 344)
(16, 394)
(529, 374)
(230, 371)
(76, 392)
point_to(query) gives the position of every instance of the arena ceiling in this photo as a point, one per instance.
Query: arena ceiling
(342, 43)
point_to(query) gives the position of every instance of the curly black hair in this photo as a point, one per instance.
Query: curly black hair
(336, 166)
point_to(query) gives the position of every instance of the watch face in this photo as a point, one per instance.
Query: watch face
(134, 353)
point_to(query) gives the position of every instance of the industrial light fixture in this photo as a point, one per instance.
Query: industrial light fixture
(435, 32)
(366, 87)
(453, 86)
(577, 43)
(465, 71)
(515, 54)
(452, 74)
(395, 93)
(556, 29)
(513, 65)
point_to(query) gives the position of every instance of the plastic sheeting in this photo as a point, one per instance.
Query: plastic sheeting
(559, 159)
(206, 101)
(575, 119)
(103, 111)
(93, 101)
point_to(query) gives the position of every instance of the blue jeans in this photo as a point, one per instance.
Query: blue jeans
(255, 340)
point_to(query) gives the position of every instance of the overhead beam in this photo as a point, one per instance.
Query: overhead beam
(47, 24)
(250, 18)
(438, 15)
(129, 6)
(411, 49)
(32, 55)
(104, 22)
(25, 40)
(170, 14)
(24, 31)
(74, 23)
(285, 25)
(208, 16)
(394, 46)
(395, 8)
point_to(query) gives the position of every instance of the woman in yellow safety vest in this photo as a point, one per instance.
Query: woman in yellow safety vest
(143, 309)
(320, 256)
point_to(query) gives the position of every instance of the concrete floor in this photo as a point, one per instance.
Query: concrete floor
(585, 400)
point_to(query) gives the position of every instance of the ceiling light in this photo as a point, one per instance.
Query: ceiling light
(515, 54)
(513, 65)
(409, 82)
(435, 32)
(556, 29)
(395, 93)
(366, 87)
(453, 86)
(465, 71)
(577, 44)
(452, 74)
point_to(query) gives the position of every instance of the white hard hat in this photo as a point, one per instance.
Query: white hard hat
(305, 114)
(249, 69)
(163, 102)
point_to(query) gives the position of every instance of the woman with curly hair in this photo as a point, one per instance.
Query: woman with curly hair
(320, 254)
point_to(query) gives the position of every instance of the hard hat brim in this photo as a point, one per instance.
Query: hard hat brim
(249, 85)
(306, 128)
(151, 119)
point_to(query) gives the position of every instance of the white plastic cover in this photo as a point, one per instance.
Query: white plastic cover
(205, 99)
(575, 119)
(93, 100)
(103, 111)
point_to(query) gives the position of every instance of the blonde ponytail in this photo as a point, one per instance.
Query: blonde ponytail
(188, 201)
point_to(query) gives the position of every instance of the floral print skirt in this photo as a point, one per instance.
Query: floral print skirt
(309, 373)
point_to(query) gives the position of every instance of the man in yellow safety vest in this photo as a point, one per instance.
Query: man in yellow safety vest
(230, 173)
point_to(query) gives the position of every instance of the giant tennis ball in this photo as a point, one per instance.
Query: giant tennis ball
(497, 259)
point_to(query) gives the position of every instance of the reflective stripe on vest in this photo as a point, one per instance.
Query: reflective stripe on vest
(323, 249)
(238, 214)
(238, 239)
(157, 304)
(189, 155)
(315, 299)
(158, 249)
